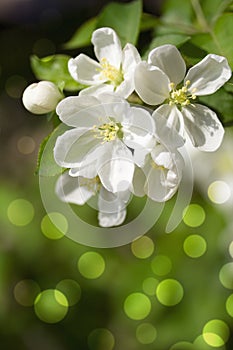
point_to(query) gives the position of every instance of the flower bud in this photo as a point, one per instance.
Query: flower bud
(42, 97)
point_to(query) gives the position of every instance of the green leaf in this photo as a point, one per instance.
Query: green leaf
(148, 22)
(213, 9)
(54, 68)
(220, 40)
(173, 39)
(82, 36)
(221, 102)
(123, 18)
(46, 165)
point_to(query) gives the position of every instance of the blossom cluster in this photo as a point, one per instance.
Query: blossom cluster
(114, 148)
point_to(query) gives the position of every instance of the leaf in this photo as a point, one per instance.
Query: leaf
(82, 36)
(173, 39)
(221, 102)
(213, 9)
(148, 22)
(123, 18)
(220, 41)
(54, 68)
(46, 165)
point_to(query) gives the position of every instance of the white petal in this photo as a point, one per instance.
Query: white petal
(112, 209)
(73, 189)
(116, 172)
(139, 180)
(95, 90)
(170, 61)
(203, 127)
(126, 87)
(85, 70)
(107, 45)
(80, 111)
(109, 220)
(87, 169)
(151, 84)
(139, 132)
(172, 118)
(165, 131)
(162, 157)
(73, 146)
(208, 75)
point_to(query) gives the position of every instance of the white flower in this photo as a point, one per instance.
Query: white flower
(157, 82)
(158, 175)
(105, 130)
(78, 190)
(42, 97)
(115, 69)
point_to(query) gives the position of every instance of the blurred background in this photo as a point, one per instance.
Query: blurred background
(164, 291)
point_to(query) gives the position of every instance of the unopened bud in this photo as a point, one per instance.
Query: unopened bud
(42, 97)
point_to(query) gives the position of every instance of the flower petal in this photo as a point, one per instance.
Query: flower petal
(73, 189)
(107, 45)
(116, 172)
(208, 75)
(139, 179)
(112, 209)
(139, 132)
(170, 61)
(172, 119)
(151, 84)
(80, 111)
(203, 127)
(85, 70)
(95, 90)
(73, 146)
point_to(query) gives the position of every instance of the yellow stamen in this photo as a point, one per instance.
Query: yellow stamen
(181, 96)
(107, 132)
(114, 75)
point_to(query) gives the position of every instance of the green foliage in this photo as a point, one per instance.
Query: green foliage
(46, 165)
(123, 18)
(55, 68)
(82, 36)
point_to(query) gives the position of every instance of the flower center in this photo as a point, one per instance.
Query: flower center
(108, 131)
(156, 166)
(114, 75)
(93, 185)
(181, 96)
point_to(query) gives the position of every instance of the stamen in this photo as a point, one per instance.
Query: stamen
(114, 75)
(107, 132)
(93, 185)
(181, 97)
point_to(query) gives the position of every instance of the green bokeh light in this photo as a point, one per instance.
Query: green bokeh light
(146, 333)
(54, 225)
(143, 247)
(137, 306)
(229, 305)
(20, 212)
(216, 333)
(161, 265)
(51, 306)
(101, 339)
(182, 345)
(195, 246)
(91, 265)
(193, 215)
(25, 292)
(149, 285)
(219, 192)
(226, 275)
(200, 344)
(71, 290)
(169, 292)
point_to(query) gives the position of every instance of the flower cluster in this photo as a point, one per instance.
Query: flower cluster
(115, 149)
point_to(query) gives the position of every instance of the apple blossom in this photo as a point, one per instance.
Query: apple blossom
(115, 69)
(157, 81)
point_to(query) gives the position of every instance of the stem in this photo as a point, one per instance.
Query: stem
(200, 15)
